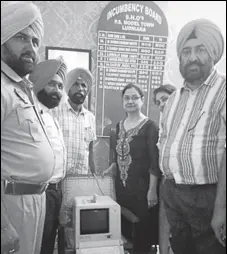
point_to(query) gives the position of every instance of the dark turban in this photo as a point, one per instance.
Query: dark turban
(17, 16)
(207, 32)
(45, 71)
(78, 73)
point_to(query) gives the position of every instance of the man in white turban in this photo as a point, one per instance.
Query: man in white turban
(48, 78)
(27, 158)
(79, 132)
(192, 145)
(209, 35)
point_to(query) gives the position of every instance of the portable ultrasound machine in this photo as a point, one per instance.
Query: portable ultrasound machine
(97, 224)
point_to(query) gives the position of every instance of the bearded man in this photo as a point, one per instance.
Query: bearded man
(48, 78)
(192, 144)
(79, 132)
(27, 158)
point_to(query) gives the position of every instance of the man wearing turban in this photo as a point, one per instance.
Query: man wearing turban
(78, 126)
(27, 158)
(48, 78)
(192, 144)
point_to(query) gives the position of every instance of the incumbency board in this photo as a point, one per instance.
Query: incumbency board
(132, 44)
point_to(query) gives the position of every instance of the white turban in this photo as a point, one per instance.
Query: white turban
(16, 16)
(78, 73)
(207, 32)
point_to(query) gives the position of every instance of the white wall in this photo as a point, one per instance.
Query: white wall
(178, 14)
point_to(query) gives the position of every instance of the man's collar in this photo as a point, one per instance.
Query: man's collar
(210, 78)
(83, 109)
(207, 82)
(10, 73)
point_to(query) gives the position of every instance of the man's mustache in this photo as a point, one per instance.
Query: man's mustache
(29, 54)
(57, 95)
(80, 94)
(193, 63)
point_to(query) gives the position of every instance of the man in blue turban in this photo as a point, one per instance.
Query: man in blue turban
(192, 144)
(27, 158)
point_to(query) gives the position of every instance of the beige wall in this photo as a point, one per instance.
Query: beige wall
(74, 25)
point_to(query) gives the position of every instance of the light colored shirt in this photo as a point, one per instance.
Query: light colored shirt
(193, 132)
(56, 138)
(78, 131)
(26, 153)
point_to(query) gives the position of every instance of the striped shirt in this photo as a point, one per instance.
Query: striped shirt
(78, 131)
(193, 132)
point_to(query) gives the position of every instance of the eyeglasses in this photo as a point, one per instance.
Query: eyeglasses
(191, 128)
(198, 51)
(133, 98)
(162, 99)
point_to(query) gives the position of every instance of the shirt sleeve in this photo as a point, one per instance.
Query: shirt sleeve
(113, 142)
(223, 116)
(93, 127)
(152, 138)
(3, 108)
(6, 104)
(160, 130)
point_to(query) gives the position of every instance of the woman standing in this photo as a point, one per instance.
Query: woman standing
(136, 167)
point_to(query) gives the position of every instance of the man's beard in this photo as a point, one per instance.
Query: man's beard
(48, 100)
(20, 65)
(77, 98)
(198, 72)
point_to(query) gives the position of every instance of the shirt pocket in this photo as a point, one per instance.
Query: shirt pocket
(29, 125)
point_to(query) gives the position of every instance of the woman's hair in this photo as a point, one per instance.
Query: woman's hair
(167, 88)
(132, 85)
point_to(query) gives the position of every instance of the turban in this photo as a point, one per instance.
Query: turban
(44, 72)
(207, 32)
(16, 16)
(78, 73)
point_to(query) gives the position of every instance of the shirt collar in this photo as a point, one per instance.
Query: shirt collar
(83, 109)
(43, 107)
(211, 77)
(10, 73)
(207, 82)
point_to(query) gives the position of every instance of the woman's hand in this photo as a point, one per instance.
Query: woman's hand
(107, 172)
(110, 171)
(152, 197)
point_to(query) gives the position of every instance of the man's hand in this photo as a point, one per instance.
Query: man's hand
(9, 240)
(152, 197)
(218, 224)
